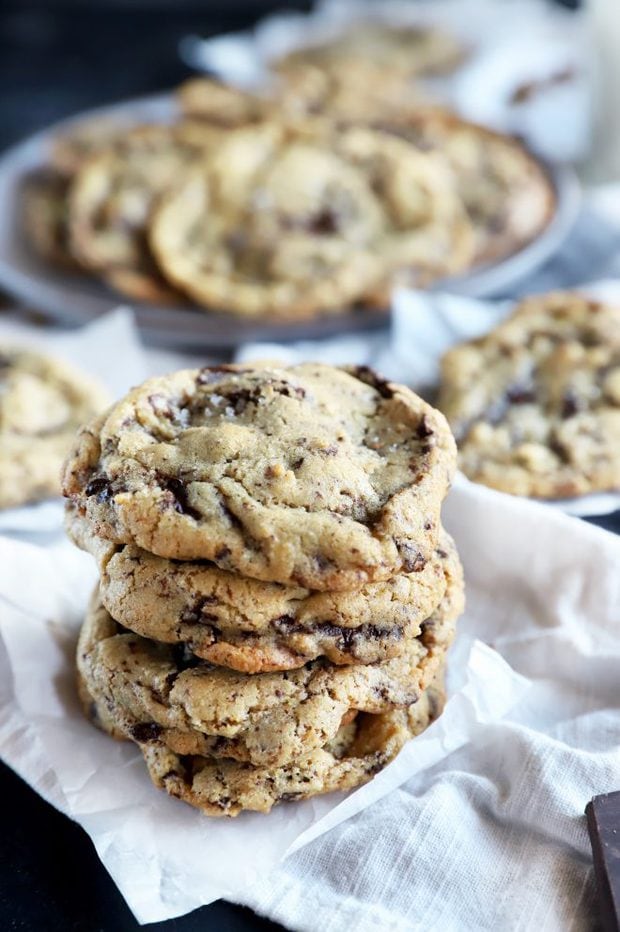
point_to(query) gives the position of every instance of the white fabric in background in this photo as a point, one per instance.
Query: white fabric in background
(512, 44)
(495, 836)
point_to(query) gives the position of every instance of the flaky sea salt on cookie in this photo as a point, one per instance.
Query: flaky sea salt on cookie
(309, 475)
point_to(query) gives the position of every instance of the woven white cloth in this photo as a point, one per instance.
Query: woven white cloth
(494, 837)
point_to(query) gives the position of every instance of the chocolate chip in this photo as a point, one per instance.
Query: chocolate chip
(412, 559)
(178, 490)
(561, 451)
(240, 399)
(324, 223)
(196, 615)
(100, 487)
(298, 463)
(520, 395)
(347, 639)
(230, 515)
(144, 732)
(286, 389)
(370, 377)
(424, 428)
(222, 554)
(570, 405)
(210, 374)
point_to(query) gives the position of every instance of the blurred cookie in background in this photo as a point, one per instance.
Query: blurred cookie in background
(43, 402)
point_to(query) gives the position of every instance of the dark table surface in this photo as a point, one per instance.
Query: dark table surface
(57, 58)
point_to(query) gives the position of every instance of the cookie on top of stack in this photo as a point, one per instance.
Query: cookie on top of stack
(277, 593)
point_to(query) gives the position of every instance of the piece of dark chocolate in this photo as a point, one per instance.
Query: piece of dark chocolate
(603, 815)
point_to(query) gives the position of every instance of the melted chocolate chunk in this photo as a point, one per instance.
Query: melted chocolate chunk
(520, 395)
(178, 490)
(144, 732)
(570, 405)
(196, 615)
(347, 639)
(370, 377)
(424, 428)
(413, 561)
(101, 488)
(324, 223)
(556, 446)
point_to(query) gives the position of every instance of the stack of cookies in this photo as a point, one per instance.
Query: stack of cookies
(277, 594)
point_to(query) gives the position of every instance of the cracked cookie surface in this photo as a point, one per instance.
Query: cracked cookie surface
(157, 692)
(307, 475)
(535, 404)
(43, 402)
(224, 787)
(256, 627)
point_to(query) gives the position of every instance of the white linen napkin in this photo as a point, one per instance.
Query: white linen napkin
(528, 69)
(493, 837)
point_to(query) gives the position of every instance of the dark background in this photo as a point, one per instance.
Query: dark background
(57, 58)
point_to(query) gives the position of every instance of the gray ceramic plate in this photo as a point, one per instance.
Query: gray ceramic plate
(73, 298)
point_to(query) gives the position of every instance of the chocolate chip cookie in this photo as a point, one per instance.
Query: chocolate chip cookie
(258, 627)
(408, 51)
(535, 404)
(225, 787)
(292, 222)
(110, 201)
(42, 403)
(506, 192)
(308, 476)
(155, 691)
(45, 216)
